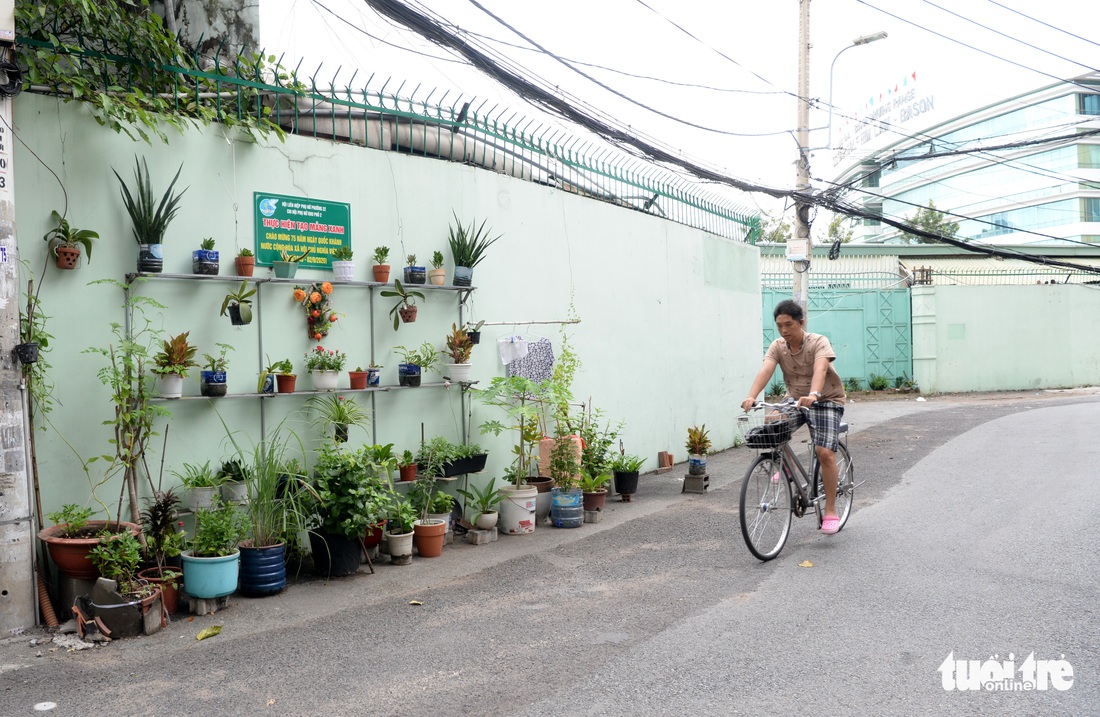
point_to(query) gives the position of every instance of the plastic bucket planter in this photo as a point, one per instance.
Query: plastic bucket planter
(263, 570)
(209, 578)
(566, 508)
(517, 510)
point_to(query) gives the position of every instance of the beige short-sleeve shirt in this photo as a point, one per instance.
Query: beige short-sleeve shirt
(798, 369)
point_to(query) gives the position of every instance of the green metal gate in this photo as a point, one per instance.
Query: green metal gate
(871, 330)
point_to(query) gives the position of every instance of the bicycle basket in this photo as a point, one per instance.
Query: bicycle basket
(771, 435)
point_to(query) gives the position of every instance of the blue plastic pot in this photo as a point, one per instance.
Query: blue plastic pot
(263, 570)
(566, 509)
(209, 578)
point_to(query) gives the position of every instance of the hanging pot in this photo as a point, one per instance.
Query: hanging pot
(67, 256)
(150, 258)
(235, 317)
(27, 353)
(340, 433)
(408, 313)
(475, 337)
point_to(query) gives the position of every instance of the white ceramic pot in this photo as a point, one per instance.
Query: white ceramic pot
(325, 380)
(459, 372)
(171, 385)
(486, 521)
(343, 270)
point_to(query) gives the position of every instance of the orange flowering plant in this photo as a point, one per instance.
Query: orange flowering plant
(322, 359)
(319, 314)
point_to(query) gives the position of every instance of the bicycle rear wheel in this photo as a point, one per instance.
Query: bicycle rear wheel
(845, 487)
(765, 507)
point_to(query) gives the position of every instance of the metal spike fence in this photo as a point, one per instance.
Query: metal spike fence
(383, 113)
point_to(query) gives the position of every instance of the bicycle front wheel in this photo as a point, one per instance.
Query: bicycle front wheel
(845, 487)
(765, 507)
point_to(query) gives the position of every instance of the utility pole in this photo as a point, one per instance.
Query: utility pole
(17, 537)
(798, 248)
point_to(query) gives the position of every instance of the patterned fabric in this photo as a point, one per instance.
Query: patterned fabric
(538, 364)
(825, 423)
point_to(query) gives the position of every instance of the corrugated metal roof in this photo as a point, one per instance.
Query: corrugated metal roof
(989, 270)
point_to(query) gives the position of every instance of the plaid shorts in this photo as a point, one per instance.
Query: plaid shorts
(825, 423)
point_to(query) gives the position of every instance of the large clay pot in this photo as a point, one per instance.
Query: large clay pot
(70, 555)
(429, 536)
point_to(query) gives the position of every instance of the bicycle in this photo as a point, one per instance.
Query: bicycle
(777, 486)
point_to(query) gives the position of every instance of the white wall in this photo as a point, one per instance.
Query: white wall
(670, 315)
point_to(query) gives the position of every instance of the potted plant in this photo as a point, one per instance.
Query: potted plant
(324, 366)
(399, 531)
(343, 268)
(374, 374)
(212, 564)
(64, 242)
(233, 481)
(357, 377)
(451, 459)
(212, 378)
(201, 482)
(414, 274)
(164, 541)
(273, 514)
(406, 466)
(172, 363)
(698, 445)
(594, 490)
(467, 249)
(246, 262)
(381, 268)
(319, 314)
(204, 260)
(287, 265)
(72, 537)
(566, 506)
(122, 605)
(474, 331)
(483, 501)
(429, 532)
(337, 415)
(344, 499)
(459, 348)
(238, 304)
(415, 362)
(285, 379)
(437, 274)
(626, 469)
(405, 309)
(149, 217)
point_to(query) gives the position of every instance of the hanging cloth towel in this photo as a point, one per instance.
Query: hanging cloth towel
(512, 348)
(537, 365)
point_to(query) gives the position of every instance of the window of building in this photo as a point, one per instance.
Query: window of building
(1088, 104)
(1090, 209)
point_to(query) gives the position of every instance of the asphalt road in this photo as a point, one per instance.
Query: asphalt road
(971, 537)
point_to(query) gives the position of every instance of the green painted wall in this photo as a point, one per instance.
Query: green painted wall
(1004, 338)
(670, 315)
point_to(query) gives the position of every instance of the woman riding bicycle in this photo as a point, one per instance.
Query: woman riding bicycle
(806, 360)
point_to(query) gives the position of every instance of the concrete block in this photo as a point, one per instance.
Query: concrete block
(593, 516)
(493, 534)
(696, 484)
(478, 537)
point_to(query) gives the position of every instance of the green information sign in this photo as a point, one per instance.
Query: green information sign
(294, 224)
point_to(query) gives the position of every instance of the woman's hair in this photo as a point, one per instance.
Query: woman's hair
(788, 307)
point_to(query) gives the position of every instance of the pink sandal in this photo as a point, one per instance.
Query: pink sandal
(830, 525)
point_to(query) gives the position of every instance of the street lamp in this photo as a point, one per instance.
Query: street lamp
(864, 40)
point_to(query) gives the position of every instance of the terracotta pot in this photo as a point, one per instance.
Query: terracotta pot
(169, 591)
(67, 256)
(70, 555)
(437, 276)
(285, 382)
(407, 472)
(595, 501)
(381, 273)
(408, 313)
(358, 380)
(374, 535)
(429, 537)
(245, 265)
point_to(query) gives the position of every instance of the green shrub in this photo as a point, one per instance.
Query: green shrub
(878, 382)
